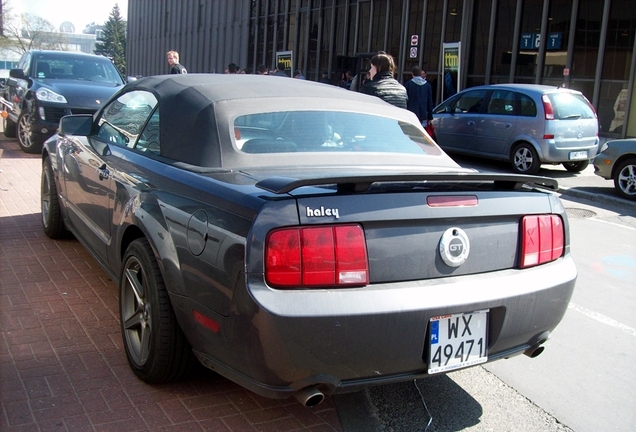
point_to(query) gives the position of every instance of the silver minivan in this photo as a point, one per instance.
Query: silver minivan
(527, 124)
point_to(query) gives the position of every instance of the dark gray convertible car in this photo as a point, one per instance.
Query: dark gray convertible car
(301, 239)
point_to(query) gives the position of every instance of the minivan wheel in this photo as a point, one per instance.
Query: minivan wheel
(25, 137)
(625, 179)
(155, 345)
(576, 166)
(525, 159)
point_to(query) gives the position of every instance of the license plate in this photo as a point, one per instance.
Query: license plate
(457, 341)
(578, 155)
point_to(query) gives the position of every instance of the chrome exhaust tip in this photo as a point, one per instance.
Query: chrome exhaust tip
(535, 350)
(309, 397)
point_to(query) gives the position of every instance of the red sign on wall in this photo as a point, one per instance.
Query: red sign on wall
(414, 39)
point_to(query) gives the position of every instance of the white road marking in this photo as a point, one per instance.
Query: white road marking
(603, 319)
(614, 223)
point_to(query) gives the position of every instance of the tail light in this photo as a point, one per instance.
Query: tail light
(547, 107)
(542, 239)
(324, 256)
(549, 113)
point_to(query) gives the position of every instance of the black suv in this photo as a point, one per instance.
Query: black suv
(47, 85)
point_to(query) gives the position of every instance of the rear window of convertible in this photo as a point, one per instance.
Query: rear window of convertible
(326, 131)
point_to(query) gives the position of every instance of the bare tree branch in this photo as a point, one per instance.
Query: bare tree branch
(28, 31)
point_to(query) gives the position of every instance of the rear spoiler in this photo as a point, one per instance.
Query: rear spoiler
(281, 185)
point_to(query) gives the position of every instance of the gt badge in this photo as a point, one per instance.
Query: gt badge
(454, 247)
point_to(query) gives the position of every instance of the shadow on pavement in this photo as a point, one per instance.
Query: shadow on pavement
(401, 407)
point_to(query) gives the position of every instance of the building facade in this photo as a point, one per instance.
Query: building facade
(588, 45)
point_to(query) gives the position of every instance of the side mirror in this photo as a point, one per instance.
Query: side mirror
(80, 124)
(17, 73)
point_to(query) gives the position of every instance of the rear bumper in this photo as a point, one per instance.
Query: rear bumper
(341, 340)
(554, 152)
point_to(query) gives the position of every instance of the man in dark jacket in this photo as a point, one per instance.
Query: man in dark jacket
(280, 70)
(382, 84)
(173, 61)
(420, 96)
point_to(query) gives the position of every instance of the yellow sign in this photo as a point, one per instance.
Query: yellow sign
(452, 69)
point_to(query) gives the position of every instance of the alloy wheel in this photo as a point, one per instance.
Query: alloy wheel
(135, 310)
(626, 180)
(25, 136)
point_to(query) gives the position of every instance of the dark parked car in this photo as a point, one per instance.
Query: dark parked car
(617, 161)
(525, 124)
(47, 85)
(300, 239)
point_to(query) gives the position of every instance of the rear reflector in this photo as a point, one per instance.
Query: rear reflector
(205, 321)
(322, 256)
(542, 239)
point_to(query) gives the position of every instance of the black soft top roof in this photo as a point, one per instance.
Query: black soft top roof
(188, 125)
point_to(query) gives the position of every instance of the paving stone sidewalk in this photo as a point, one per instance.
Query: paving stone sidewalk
(62, 362)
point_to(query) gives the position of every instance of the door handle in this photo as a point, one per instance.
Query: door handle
(471, 123)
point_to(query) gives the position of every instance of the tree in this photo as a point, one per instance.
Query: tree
(112, 43)
(27, 32)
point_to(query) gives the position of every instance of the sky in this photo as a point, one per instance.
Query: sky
(78, 12)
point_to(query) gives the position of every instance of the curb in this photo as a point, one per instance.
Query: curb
(597, 198)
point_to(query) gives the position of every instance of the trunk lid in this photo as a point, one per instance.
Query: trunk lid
(406, 217)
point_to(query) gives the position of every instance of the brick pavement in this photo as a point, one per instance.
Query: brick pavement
(62, 363)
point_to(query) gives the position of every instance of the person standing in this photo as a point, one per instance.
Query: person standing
(280, 70)
(324, 77)
(381, 82)
(420, 95)
(232, 68)
(173, 61)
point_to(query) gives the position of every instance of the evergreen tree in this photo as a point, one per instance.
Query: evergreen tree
(112, 44)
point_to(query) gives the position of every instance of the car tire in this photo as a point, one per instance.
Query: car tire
(576, 166)
(8, 128)
(26, 141)
(52, 220)
(525, 159)
(155, 345)
(625, 179)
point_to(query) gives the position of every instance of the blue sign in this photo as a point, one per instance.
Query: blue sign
(529, 41)
(554, 41)
(532, 41)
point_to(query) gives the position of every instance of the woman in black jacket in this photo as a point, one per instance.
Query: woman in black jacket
(382, 84)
